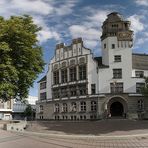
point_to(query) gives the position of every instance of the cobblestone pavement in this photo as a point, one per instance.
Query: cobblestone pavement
(99, 134)
(101, 127)
(21, 140)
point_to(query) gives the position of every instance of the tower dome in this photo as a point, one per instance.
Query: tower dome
(114, 25)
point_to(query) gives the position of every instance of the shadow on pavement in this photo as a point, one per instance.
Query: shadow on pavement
(101, 127)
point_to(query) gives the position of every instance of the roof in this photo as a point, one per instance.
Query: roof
(114, 17)
(140, 61)
(42, 79)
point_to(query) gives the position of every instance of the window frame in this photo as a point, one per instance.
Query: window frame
(83, 106)
(93, 106)
(139, 74)
(93, 89)
(56, 77)
(57, 108)
(72, 73)
(113, 46)
(117, 73)
(117, 58)
(82, 72)
(139, 88)
(43, 96)
(42, 85)
(64, 75)
(117, 87)
(64, 107)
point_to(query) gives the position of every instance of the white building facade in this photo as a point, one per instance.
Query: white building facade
(79, 86)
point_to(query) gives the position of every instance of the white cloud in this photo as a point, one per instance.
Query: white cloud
(136, 23)
(98, 17)
(89, 35)
(65, 8)
(38, 9)
(90, 29)
(83, 31)
(91, 43)
(34, 6)
(46, 34)
(142, 2)
(143, 39)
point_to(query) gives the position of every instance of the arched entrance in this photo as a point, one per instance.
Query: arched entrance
(116, 109)
(116, 106)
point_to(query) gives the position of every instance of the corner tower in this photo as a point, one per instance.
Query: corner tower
(116, 38)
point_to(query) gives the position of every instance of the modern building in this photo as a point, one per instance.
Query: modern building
(79, 86)
(19, 107)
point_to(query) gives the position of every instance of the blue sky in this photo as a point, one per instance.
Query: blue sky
(63, 20)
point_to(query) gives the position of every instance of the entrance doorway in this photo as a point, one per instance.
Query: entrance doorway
(116, 109)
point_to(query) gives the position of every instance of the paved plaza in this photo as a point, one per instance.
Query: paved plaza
(117, 137)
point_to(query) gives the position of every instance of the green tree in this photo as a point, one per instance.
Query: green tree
(29, 112)
(20, 56)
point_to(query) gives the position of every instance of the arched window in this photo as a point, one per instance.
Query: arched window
(65, 109)
(83, 106)
(57, 108)
(93, 106)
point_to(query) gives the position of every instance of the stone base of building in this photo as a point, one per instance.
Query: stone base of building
(125, 106)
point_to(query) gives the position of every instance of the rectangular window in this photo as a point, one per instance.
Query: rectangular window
(64, 92)
(117, 73)
(57, 108)
(139, 74)
(139, 87)
(64, 75)
(65, 108)
(116, 87)
(113, 46)
(140, 105)
(93, 106)
(72, 73)
(82, 72)
(73, 90)
(117, 58)
(73, 107)
(104, 46)
(93, 88)
(56, 77)
(83, 106)
(82, 89)
(55, 93)
(42, 85)
(43, 96)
